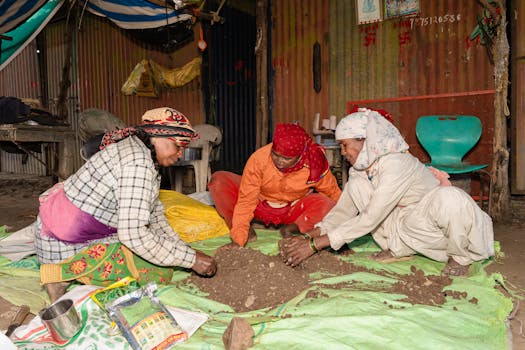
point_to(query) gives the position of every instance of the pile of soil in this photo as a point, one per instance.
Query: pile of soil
(248, 280)
(422, 289)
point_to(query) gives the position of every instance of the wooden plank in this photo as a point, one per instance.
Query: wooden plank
(61, 135)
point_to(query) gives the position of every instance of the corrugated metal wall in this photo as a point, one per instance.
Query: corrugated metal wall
(103, 58)
(55, 40)
(413, 66)
(363, 59)
(24, 164)
(20, 77)
(517, 105)
(296, 26)
(107, 56)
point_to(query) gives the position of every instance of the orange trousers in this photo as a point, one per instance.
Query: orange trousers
(305, 213)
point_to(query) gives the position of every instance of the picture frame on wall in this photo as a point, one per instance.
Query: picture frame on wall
(368, 11)
(401, 8)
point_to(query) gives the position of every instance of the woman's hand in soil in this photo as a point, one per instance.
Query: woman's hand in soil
(294, 250)
(204, 265)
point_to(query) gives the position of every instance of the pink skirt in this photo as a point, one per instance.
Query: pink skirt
(63, 221)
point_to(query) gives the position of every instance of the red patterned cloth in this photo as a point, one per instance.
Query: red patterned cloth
(158, 122)
(291, 140)
(168, 122)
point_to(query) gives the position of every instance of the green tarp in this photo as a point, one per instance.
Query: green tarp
(346, 318)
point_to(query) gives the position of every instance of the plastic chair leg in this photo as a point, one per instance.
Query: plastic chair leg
(201, 174)
(177, 178)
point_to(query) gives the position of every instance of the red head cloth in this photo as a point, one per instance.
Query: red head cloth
(291, 140)
(384, 113)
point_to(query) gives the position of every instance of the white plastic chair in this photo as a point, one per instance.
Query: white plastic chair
(210, 136)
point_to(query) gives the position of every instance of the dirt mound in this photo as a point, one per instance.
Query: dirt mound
(422, 289)
(248, 280)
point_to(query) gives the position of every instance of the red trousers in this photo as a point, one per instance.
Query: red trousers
(305, 213)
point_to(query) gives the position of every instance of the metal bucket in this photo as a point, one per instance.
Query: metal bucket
(61, 320)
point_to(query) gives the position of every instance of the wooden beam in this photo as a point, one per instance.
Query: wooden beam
(261, 54)
(500, 210)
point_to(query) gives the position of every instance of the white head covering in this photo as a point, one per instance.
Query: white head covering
(381, 136)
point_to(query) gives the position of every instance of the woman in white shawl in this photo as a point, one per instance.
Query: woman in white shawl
(393, 196)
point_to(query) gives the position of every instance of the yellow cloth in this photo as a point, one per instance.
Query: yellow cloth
(148, 76)
(191, 219)
(176, 77)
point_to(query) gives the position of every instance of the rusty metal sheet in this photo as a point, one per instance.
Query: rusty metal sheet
(424, 65)
(517, 95)
(106, 57)
(20, 77)
(296, 27)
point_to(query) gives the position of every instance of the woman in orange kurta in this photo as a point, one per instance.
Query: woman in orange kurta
(287, 182)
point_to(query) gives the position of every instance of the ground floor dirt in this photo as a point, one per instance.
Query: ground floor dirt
(18, 208)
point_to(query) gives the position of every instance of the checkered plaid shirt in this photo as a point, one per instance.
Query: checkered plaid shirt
(120, 187)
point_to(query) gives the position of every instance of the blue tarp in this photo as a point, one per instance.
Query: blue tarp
(136, 14)
(27, 31)
(14, 12)
(26, 18)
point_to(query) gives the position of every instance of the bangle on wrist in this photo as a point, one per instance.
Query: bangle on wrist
(306, 236)
(312, 245)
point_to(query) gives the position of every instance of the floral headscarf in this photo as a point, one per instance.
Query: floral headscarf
(158, 122)
(381, 136)
(291, 140)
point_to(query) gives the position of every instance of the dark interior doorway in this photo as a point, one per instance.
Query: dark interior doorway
(230, 86)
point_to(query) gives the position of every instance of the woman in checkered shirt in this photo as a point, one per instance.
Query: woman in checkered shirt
(106, 222)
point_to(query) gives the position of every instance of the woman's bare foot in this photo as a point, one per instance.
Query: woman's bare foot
(56, 290)
(441, 176)
(453, 268)
(386, 256)
(288, 230)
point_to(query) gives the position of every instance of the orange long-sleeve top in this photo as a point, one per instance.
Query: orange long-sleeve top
(261, 180)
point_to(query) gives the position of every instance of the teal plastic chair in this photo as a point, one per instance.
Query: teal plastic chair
(447, 138)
